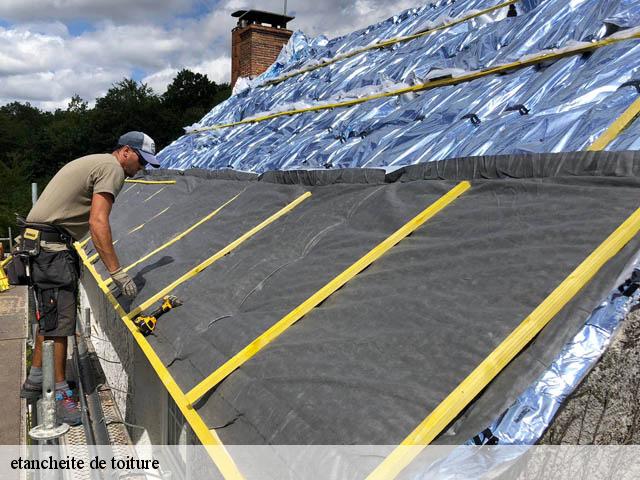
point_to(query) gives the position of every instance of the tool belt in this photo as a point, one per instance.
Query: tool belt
(51, 275)
(30, 264)
(44, 232)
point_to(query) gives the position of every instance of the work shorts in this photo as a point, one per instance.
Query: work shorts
(55, 280)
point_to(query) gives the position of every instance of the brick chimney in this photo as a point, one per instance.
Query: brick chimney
(256, 42)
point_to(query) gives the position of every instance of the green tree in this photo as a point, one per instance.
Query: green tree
(188, 90)
(34, 144)
(77, 105)
(190, 96)
(126, 106)
(66, 134)
(16, 193)
(25, 140)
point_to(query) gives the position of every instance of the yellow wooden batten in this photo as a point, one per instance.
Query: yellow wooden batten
(517, 65)
(314, 300)
(217, 256)
(209, 438)
(616, 128)
(151, 182)
(177, 238)
(389, 42)
(471, 386)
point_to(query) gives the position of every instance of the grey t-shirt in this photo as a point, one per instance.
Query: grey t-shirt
(66, 201)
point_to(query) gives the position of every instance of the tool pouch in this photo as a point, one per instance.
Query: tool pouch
(16, 270)
(27, 246)
(54, 269)
(48, 307)
(29, 243)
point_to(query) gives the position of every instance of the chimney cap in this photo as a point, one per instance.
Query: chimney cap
(259, 16)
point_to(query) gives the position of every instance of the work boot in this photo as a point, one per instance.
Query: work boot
(67, 408)
(31, 390)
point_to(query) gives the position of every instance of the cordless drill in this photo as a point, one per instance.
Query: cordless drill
(147, 323)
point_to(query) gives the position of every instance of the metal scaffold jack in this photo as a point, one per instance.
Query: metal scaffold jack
(48, 428)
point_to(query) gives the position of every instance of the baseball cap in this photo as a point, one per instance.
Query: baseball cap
(142, 143)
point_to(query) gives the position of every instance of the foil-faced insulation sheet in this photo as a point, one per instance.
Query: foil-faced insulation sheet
(557, 107)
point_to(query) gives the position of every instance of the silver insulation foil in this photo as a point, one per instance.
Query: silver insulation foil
(556, 107)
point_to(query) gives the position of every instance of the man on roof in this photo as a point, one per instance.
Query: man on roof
(77, 201)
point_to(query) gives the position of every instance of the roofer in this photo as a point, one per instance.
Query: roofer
(77, 200)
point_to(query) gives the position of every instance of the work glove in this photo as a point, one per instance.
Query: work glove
(124, 283)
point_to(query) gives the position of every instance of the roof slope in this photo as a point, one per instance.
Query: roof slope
(372, 360)
(561, 104)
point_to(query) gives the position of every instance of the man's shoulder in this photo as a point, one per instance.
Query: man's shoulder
(95, 159)
(99, 164)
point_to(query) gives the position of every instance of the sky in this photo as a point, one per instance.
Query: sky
(51, 50)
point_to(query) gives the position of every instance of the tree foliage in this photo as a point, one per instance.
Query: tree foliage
(191, 96)
(35, 144)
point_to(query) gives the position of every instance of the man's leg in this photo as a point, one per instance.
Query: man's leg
(36, 359)
(59, 358)
(67, 408)
(59, 361)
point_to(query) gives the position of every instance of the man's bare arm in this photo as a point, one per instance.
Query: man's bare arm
(100, 228)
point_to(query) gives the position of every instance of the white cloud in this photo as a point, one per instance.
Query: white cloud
(41, 62)
(24, 52)
(218, 70)
(54, 28)
(143, 47)
(330, 17)
(159, 80)
(124, 11)
(58, 86)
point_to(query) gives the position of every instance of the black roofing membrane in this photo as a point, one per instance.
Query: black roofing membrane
(368, 364)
